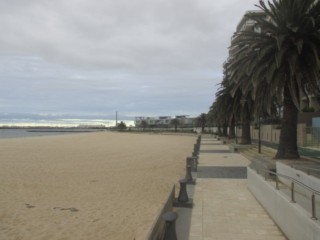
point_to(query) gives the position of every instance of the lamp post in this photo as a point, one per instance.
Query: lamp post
(259, 135)
(116, 119)
(236, 133)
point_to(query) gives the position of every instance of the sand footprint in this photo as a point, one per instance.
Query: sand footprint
(29, 205)
(72, 209)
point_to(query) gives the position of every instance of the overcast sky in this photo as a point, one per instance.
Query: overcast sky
(137, 57)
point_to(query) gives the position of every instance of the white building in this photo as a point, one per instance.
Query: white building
(164, 121)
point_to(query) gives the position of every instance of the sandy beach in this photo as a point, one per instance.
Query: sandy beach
(87, 186)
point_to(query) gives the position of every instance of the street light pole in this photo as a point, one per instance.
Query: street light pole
(259, 135)
(236, 134)
(116, 119)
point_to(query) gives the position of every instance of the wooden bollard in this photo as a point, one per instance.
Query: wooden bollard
(192, 161)
(189, 177)
(188, 173)
(183, 195)
(183, 198)
(196, 149)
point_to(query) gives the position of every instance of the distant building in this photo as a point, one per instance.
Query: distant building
(245, 24)
(153, 121)
(164, 121)
(185, 120)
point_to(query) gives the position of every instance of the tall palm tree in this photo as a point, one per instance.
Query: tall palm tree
(285, 55)
(224, 105)
(231, 106)
(175, 122)
(239, 104)
(144, 124)
(242, 109)
(213, 117)
(201, 121)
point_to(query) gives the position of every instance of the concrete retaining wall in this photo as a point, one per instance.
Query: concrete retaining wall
(293, 220)
(156, 231)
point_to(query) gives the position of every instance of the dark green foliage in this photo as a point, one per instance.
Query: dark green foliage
(201, 121)
(280, 62)
(122, 126)
(175, 122)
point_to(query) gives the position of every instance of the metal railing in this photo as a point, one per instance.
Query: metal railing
(292, 187)
(308, 170)
(313, 136)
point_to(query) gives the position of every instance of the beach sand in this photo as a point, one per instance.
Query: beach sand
(87, 186)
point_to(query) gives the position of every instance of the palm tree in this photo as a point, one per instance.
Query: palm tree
(213, 117)
(285, 55)
(122, 126)
(144, 124)
(224, 109)
(242, 110)
(201, 121)
(175, 122)
(234, 106)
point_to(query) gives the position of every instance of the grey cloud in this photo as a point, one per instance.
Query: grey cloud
(110, 33)
(143, 55)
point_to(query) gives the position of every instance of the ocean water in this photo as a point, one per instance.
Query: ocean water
(53, 127)
(62, 122)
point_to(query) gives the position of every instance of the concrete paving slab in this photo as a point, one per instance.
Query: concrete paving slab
(218, 159)
(221, 172)
(215, 151)
(224, 208)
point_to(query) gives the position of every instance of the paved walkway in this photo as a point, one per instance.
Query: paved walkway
(224, 209)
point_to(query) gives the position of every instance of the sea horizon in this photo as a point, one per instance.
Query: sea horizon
(16, 128)
(61, 121)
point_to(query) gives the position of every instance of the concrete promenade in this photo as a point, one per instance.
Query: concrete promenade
(224, 208)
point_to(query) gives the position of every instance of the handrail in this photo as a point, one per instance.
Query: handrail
(307, 168)
(293, 181)
(300, 183)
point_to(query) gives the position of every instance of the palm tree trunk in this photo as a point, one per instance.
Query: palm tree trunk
(232, 133)
(225, 130)
(288, 148)
(246, 133)
(219, 130)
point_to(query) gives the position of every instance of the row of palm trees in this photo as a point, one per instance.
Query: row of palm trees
(271, 69)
